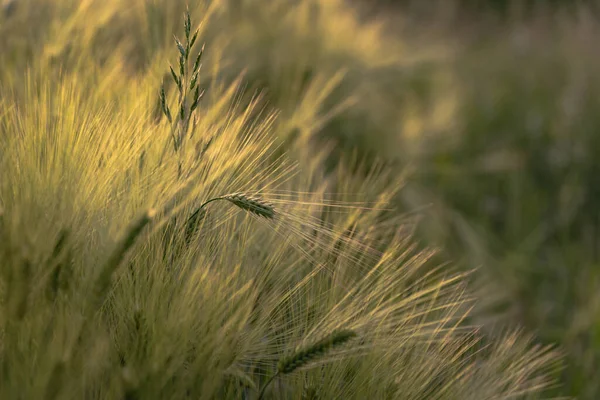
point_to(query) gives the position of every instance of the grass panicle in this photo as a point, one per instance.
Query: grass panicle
(187, 84)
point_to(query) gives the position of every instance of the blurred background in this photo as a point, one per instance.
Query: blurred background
(490, 108)
(503, 141)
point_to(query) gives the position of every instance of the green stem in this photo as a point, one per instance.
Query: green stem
(206, 202)
(199, 209)
(263, 390)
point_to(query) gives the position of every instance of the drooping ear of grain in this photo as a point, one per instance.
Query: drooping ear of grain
(24, 286)
(116, 258)
(254, 205)
(246, 202)
(55, 265)
(55, 382)
(307, 354)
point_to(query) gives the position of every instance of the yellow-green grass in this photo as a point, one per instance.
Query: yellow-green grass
(102, 298)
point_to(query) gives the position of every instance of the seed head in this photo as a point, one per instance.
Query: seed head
(254, 205)
(305, 355)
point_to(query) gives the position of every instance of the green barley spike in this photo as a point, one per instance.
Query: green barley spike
(304, 355)
(56, 381)
(104, 279)
(26, 273)
(60, 244)
(54, 264)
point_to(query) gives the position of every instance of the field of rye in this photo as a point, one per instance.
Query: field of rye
(297, 199)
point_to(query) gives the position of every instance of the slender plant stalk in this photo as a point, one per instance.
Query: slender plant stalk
(267, 383)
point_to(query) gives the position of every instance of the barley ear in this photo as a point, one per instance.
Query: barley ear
(63, 236)
(254, 205)
(118, 255)
(55, 265)
(55, 382)
(24, 286)
(251, 204)
(305, 355)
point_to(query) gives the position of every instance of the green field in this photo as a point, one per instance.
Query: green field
(298, 199)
